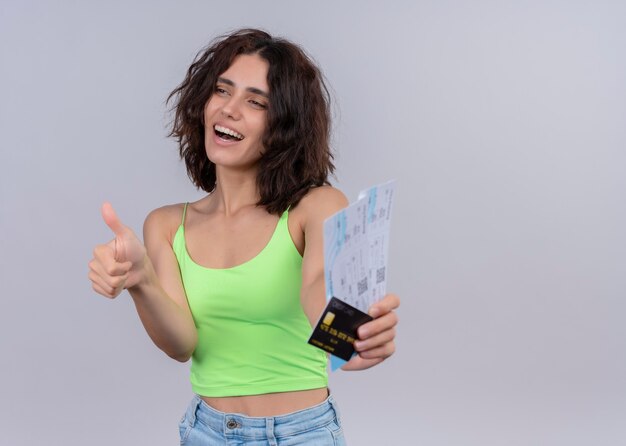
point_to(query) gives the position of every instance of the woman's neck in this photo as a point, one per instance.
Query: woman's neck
(234, 190)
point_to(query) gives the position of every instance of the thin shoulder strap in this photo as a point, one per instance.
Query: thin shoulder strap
(285, 215)
(184, 213)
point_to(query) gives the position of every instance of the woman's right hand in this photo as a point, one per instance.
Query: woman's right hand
(118, 264)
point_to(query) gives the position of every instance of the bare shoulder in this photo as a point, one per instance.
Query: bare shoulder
(163, 221)
(319, 196)
(318, 204)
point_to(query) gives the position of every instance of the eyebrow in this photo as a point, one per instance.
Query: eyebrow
(250, 89)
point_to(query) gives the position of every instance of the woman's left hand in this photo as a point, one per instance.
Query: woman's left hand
(376, 338)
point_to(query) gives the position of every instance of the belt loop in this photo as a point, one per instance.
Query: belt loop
(269, 431)
(193, 408)
(333, 405)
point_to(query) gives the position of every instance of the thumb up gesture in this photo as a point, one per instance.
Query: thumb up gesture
(117, 264)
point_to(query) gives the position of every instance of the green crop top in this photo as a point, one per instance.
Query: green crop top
(252, 331)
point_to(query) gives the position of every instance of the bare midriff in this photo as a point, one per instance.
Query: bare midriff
(269, 404)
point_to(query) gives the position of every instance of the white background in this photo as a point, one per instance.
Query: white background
(504, 124)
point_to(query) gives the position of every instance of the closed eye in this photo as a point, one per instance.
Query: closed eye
(258, 104)
(220, 90)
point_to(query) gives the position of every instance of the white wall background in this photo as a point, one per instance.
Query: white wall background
(505, 125)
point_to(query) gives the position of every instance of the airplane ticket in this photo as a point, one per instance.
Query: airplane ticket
(356, 246)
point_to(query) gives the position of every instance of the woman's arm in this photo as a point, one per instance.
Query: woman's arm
(376, 338)
(152, 278)
(319, 204)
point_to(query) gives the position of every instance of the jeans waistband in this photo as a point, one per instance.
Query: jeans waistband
(277, 426)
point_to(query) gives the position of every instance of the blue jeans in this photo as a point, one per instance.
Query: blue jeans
(318, 425)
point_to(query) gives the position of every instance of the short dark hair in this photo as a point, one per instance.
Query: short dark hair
(297, 153)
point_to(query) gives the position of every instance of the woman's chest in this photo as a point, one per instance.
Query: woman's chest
(222, 243)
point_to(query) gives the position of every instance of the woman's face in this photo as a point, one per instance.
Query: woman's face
(236, 114)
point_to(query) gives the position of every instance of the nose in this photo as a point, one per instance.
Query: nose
(231, 108)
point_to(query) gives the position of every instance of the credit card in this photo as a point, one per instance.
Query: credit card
(335, 332)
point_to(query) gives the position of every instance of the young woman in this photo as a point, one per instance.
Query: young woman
(235, 280)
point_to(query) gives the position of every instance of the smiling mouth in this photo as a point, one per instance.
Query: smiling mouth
(227, 134)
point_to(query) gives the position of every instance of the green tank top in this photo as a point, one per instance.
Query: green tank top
(252, 330)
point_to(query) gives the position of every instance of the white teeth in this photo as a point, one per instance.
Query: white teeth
(228, 131)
